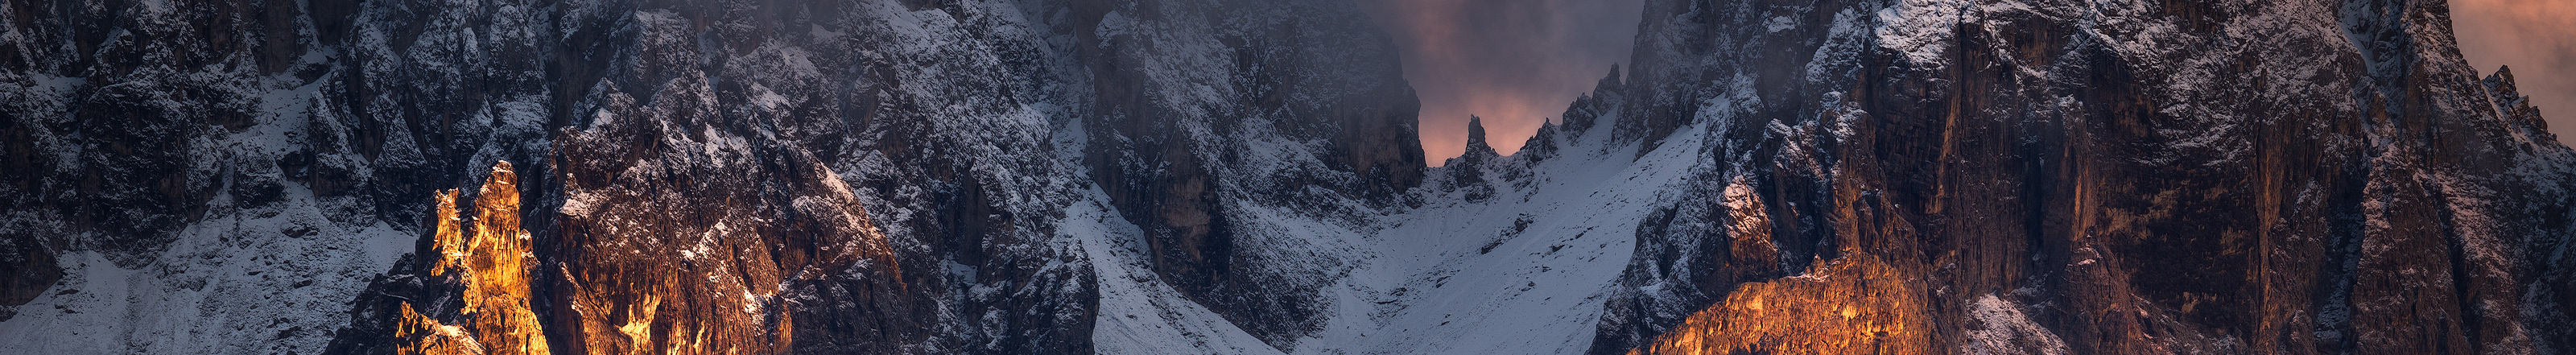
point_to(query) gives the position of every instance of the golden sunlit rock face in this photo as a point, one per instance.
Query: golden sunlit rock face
(489, 256)
(1853, 305)
(644, 270)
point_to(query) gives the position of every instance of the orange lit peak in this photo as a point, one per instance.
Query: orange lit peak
(492, 265)
(1853, 305)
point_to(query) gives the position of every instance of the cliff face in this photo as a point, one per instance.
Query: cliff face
(1211, 117)
(1056, 177)
(488, 270)
(721, 177)
(2267, 177)
(221, 177)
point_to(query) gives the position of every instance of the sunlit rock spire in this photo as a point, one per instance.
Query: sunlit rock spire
(490, 263)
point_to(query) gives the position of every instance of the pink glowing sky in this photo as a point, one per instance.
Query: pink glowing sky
(1519, 62)
(2537, 38)
(1516, 63)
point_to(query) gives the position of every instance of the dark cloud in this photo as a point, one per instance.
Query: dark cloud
(2537, 38)
(1514, 62)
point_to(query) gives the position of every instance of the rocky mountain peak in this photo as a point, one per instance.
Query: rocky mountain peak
(1245, 177)
(1477, 149)
(2054, 190)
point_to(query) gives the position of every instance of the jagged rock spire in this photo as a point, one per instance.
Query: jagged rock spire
(2515, 106)
(1467, 171)
(1477, 150)
(1611, 81)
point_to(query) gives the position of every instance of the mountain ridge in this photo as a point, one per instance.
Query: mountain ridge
(1092, 176)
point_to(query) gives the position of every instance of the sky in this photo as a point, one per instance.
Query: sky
(1517, 63)
(2537, 38)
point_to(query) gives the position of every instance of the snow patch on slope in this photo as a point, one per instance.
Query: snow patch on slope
(267, 273)
(1139, 314)
(257, 283)
(1525, 272)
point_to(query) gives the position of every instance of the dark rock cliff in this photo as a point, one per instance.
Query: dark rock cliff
(2047, 177)
(1300, 95)
(1000, 177)
(731, 176)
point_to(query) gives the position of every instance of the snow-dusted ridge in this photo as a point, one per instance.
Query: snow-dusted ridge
(1243, 177)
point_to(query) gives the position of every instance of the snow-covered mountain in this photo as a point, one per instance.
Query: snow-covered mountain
(1244, 176)
(2092, 177)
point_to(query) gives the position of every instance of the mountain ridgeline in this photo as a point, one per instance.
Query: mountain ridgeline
(2053, 177)
(1245, 177)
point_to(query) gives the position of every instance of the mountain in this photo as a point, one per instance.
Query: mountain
(1244, 176)
(868, 176)
(2054, 177)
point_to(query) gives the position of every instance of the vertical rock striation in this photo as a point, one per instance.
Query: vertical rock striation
(2160, 177)
(489, 269)
(1079, 176)
(1208, 116)
(868, 176)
